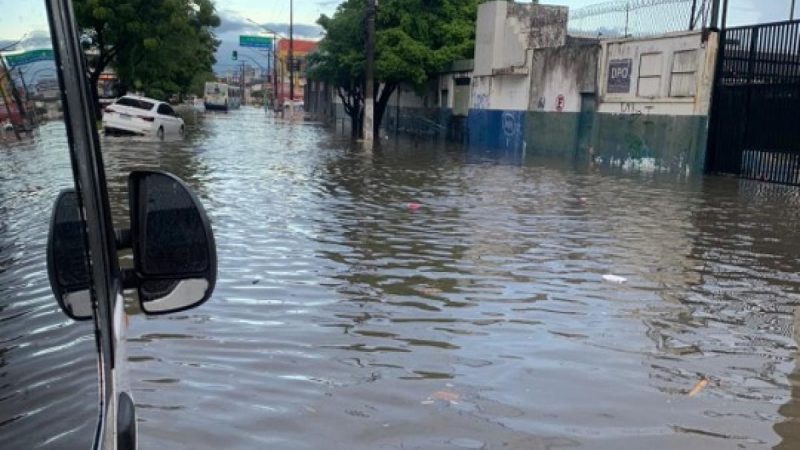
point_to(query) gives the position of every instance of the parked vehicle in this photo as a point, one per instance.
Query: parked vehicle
(221, 96)
(142, 116)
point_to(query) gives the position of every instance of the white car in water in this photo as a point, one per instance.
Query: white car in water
(141, 116)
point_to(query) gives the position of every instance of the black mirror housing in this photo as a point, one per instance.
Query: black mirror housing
(175, 257)
(68, 258)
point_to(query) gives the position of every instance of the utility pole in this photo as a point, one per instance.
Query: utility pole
(627, 17)
(791, 13)
(244, 83)
(5, 72)
(714, 23)
(274, 71)
(291, 52)
(369, 94)
(30, 114)
(7, 103)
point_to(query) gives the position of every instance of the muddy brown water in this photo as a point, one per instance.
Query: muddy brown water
(344, 317)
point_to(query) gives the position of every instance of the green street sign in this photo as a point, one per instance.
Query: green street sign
(31, 56)
(255, 41)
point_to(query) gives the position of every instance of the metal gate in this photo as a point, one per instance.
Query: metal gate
(755, 116)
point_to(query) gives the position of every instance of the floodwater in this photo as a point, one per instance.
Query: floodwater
(424, 297)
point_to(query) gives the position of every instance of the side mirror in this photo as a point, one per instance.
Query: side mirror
(175, 258)
(68, 258)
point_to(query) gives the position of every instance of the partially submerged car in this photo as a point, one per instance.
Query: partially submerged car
(142, 116)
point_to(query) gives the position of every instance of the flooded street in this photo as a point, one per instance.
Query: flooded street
(422, 297)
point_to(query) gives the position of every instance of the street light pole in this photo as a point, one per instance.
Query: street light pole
(369, 94)
(791, 13)
(274, 70)
(274, 59)
(291, 50)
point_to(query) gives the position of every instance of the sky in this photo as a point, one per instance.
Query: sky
(19, 17)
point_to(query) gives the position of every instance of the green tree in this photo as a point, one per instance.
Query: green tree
(414, 40)
(158, 46)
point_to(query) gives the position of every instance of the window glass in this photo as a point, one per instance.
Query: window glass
(166, 110)
(135, 103)
(48, 362)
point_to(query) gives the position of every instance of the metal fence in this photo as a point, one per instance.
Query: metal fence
(754, 131)
(638, 18)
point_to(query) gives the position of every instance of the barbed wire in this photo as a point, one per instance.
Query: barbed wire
(638, 18)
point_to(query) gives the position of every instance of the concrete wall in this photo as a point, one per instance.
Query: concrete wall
(657, 118)
(671, 74)
(644, 105)
(561, 75)
(562, 101)
(507, 35)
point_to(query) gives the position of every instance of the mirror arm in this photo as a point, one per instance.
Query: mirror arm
(129, 279)
(123, 239)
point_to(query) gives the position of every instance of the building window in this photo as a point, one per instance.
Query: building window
(650, 75)
(684, 74)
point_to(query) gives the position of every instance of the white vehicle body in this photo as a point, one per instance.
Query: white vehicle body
(141, 116)
(221, 96)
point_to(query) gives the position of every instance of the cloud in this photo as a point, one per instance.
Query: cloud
(235, 23)
(231, 21)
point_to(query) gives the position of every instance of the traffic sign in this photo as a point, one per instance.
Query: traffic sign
(31, 56)
(255, 41)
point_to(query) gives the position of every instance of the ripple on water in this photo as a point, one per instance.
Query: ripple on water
(340, 312)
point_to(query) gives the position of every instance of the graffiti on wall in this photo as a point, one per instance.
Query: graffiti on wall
(512, 128)
(561, 102)
(480, 101)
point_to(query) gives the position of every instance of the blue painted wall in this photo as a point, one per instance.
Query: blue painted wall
(496, 129)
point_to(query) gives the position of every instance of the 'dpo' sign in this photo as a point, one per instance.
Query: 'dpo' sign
(619, 76)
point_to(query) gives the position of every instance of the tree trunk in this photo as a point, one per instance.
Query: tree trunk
(353, 107)
(357, 120)
(94, 80)
(381, 102)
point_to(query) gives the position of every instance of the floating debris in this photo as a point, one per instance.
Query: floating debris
(615, 279)
(702, 384)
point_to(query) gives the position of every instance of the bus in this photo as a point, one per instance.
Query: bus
(222, 97)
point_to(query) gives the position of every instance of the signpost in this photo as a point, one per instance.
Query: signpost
(255, 41)
(31, 56)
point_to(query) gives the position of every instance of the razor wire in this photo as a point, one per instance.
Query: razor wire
(638, 18)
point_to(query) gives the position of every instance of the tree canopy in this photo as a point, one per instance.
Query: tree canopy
(414, 39)
(160, 47)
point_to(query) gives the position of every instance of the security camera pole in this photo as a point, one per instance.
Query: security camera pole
(369, 94)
